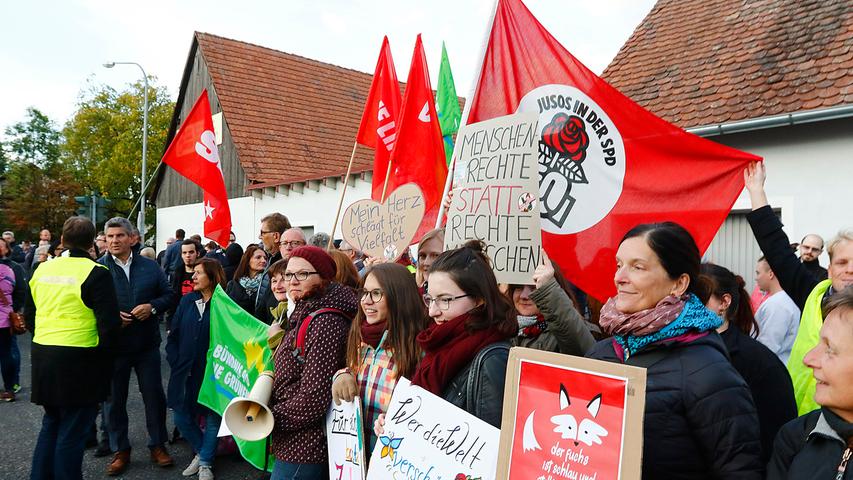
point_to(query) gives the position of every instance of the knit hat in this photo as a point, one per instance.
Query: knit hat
(319, 259)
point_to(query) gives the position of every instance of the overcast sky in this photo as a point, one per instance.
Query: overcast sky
(50, 49)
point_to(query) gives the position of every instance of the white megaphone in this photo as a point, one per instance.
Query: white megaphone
(249, 418)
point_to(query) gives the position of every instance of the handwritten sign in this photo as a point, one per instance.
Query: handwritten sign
(385, 230)
(426, 437)
(346, 441)
(497, 195)
(571, 418)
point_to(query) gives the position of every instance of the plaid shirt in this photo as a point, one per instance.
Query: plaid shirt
(376, 380)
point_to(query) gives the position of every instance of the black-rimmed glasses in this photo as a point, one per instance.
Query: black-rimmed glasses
(375, 294)
(299, 276)
(443, 303)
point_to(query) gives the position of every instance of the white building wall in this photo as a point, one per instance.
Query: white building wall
(311, 209)
(809, 175)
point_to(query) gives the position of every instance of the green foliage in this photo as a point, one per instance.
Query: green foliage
(34, 140)
(103, 140)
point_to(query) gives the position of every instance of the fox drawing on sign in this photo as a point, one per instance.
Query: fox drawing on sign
(586, 431)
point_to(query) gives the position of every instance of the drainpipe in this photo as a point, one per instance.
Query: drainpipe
(785, 120)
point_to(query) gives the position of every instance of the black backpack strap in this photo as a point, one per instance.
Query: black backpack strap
(473, 373)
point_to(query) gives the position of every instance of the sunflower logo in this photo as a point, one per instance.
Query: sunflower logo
(254, 355)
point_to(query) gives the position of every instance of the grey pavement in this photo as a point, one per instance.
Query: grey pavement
(20, 422)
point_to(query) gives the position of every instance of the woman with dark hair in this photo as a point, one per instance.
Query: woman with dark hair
(468, 341)
(186, 352)
(547, 313)
(766, 376)
(312, 350)
(382, 344)
(700, 421)
(243, 288)
(347, 274)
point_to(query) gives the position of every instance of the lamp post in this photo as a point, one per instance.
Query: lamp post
(141, 222)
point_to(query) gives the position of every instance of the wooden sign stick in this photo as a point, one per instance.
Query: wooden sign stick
(341, 201)
(447, 183)
(385, 185)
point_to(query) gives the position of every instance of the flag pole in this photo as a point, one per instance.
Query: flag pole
(387, 177)
(341, 201)
(467, 111)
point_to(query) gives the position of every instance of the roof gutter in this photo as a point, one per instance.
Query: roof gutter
(785, 120)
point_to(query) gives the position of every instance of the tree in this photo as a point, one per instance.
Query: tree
(103, 140)
(38, 189)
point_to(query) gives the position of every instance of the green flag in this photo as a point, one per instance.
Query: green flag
(238, 354)
(447, 104)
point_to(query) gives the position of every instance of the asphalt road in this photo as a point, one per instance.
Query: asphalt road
(20, 422)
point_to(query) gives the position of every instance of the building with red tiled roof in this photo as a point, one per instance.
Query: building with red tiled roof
(286, 127)
(771, 77)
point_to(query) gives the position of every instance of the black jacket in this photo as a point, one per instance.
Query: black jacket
(700, 421)
(768, 381)
(479, 388)
(794, 277)
(241, 296)
(807, 448)
(815, 269)
(74, 376)
(265, 298)
(147, 285)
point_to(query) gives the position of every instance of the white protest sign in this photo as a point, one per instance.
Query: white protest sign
(385, 229)
(427, 438)
(345, 438)
(496, 198)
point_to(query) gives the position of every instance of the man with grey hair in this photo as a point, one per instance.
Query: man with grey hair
(353, 255)
(291, 239)
(16, 254)
(319, 239)
(143, 292)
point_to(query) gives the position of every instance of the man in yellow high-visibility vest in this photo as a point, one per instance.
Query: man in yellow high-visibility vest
(73, 314)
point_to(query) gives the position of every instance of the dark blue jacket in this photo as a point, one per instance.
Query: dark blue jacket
(172, 256)
(186, 352)
(147, 285)
(700, 421)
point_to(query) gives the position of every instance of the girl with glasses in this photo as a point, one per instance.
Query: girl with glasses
(382, 344)
(467, 343)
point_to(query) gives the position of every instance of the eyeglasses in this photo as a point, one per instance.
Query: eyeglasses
(264, 232)
(375, 294)
(807, 248)
(292, 243)
(443, 303)
(299, 276)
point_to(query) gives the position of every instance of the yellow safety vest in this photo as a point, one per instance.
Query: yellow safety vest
(808, 336)
(62, 319)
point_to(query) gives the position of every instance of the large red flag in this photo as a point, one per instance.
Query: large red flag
(378, 129)
(605, 163)
(418, 154)
(193, 154)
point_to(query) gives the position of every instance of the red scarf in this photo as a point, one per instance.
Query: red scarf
(448, 348)
(372, 334)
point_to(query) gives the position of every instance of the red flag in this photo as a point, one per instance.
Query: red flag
(418, 154)
(605, 163)
(193, 154)
(378, 128)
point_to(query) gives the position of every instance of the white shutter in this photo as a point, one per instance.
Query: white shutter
(735, 248)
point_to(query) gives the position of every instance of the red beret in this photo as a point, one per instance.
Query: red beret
(319, 259)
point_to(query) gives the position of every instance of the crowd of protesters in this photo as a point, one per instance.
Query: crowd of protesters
(738, 385)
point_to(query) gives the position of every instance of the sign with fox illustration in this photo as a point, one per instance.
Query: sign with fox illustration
(569, 417)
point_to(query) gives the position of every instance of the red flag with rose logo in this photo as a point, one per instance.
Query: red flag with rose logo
(193, 153)
(605, 163)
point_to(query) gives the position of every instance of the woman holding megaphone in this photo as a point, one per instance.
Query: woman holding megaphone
(311, 351)
(186, 352)
(382, 344)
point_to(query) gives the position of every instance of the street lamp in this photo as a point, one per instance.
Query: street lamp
(141, 222)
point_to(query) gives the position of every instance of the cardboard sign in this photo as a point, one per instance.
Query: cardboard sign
(496, 198)
(345, 438)
(569, 417)
(384, 230)
(426, 437)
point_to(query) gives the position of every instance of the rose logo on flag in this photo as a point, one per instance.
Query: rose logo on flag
(581, 158)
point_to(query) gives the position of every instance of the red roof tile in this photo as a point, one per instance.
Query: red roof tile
(734, 60)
